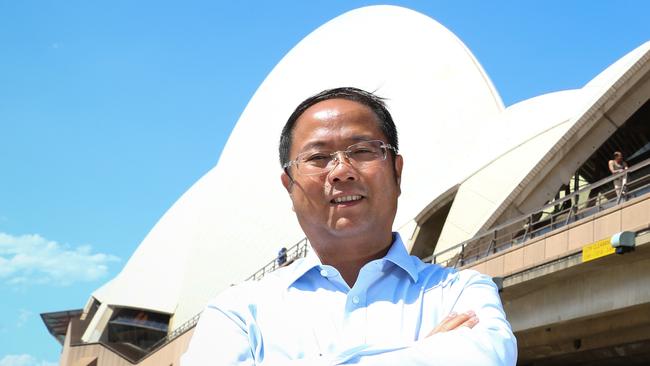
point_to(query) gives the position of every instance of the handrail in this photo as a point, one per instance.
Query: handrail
(529, 223)
(177, 332)
(298, 250)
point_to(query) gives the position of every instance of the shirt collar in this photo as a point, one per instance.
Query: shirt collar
(301, 267)
(397, 255)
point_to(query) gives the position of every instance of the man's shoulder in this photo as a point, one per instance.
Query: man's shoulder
(237, 294)
(432, 271)
(252, 292)
(435, 275)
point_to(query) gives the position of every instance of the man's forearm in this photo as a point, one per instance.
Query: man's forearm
(459, 347)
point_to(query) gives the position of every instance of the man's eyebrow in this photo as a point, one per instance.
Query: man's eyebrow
(360, 138)
(353, 139)
(313, 144)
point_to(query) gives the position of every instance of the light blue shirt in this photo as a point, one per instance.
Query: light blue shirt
(306, 314)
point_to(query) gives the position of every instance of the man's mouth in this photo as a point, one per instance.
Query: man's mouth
(346, 199)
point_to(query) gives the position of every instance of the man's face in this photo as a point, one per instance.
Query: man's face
(618, 158)
(333, 125)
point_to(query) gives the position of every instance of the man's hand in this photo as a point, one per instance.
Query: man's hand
(454, 320)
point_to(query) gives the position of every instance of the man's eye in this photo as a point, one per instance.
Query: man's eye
(316, 157)
(362, 150)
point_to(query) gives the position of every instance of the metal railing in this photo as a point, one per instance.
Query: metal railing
(177, 332)
(558, 213)
(298, 250)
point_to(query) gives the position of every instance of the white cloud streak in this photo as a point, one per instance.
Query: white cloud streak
(33, 259)
(24, 360)
(23, 317)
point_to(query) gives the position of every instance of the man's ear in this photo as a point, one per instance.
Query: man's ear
(287, 182)
(399, 163)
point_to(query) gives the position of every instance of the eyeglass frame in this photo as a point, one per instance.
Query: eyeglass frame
(335, 156)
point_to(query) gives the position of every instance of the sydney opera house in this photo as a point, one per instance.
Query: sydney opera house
(522, 193)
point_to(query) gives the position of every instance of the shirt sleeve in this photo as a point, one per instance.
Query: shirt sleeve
(490, 342)
(223, 337)
(219, 339)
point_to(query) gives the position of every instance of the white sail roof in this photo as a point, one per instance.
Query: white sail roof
(453, 128)
(236, 217)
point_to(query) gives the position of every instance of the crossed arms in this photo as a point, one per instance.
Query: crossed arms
(475, 333)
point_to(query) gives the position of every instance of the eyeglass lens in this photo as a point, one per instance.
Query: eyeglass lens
(358, 155)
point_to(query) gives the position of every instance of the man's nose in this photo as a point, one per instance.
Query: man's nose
(342, 169)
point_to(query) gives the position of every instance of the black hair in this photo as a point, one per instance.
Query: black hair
(372, 101)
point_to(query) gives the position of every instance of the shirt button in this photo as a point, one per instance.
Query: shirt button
(323, 272)
(355, 299)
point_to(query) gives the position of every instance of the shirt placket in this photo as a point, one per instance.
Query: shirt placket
(357, 305)
(355, 318)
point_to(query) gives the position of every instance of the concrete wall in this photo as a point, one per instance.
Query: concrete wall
(564, 311)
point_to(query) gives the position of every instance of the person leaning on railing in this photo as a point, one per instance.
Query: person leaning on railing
(357, 297)
(616, 166)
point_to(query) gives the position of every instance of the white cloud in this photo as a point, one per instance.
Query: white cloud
(24, 360)
(32, 259)
(23, 317)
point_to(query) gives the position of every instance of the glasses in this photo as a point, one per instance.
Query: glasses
(359, 155)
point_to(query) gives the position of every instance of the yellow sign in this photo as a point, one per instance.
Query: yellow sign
(598, 249)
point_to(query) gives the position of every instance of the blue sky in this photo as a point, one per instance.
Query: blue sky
(110, 110)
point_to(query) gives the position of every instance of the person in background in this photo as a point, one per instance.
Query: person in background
(282, 257)
(617, 165)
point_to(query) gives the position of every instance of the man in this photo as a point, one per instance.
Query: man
(358, 297)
